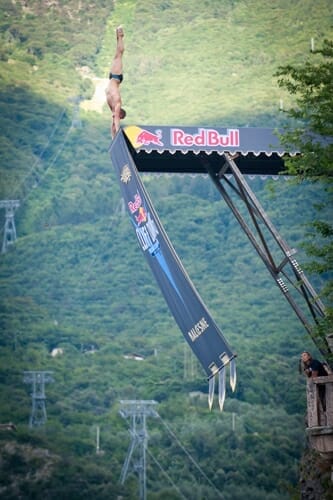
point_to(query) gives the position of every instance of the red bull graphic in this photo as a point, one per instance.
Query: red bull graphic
(145, 137)
(178, 138)
(141, 218)
(136, 204)
(204, 137)
(142, 137)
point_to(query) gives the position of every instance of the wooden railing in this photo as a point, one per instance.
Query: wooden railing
(320, 415)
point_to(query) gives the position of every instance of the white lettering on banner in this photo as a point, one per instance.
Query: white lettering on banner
(204, 137)
(143, 237)
(147, 234)
(151, 227)
(198, 329)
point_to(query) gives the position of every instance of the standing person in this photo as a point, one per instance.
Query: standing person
(314, 368)
(113, 96)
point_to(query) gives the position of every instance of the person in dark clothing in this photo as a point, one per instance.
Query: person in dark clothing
(314, 368)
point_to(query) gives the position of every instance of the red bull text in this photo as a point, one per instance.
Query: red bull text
(136, 204)
(204, 137)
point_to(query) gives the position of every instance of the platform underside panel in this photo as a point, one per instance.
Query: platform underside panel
(191, 163)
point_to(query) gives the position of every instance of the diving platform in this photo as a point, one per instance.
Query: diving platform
(257, 151)
(227, 156)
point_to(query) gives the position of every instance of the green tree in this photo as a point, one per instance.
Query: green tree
(310, 130)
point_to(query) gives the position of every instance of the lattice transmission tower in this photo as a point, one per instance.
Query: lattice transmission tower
(9, 234)
(38, 379)
(76, 120)
(137, 411)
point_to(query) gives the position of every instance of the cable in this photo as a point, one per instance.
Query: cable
(191, 458)
(166, 474)
(60, 149)
(40, 156)
(21, 186)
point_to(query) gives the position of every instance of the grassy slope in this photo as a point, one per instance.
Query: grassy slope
(213, 62)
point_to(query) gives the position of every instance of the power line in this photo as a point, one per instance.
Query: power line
(191, 458)
(21, 186)
(54, 159)
(166, 474)
(138, 411)
(40, 156)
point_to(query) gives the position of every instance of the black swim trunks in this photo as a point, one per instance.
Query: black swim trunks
(116, 77)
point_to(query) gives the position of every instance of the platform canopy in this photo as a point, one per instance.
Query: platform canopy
(187, 149)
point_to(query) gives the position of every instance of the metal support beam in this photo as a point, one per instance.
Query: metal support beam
(277, 256)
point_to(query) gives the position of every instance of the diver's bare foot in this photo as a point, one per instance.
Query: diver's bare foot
(120, 32)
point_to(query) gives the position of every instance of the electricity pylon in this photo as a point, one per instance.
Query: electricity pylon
(138, 411)
(76, 120)
(38, 379)
(9, 234)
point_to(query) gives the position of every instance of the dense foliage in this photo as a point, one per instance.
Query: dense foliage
(312, 135)
(75, 278)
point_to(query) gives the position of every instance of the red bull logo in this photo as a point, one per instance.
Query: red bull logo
(142, 137)
(198, 139)
(136, 206)
(141, 218)
(204, 137)
(145, 137)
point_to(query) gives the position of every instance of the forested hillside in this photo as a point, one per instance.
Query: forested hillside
(75, 278)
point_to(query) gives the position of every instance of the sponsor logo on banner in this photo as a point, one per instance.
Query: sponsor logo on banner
(145, 137)
(141, 137)
(145, 226)
(204, 137)
(126, 174)
(198, 329)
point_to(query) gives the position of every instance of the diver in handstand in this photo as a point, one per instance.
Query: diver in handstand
(113, 96)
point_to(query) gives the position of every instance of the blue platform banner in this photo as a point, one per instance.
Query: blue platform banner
(195, 322)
